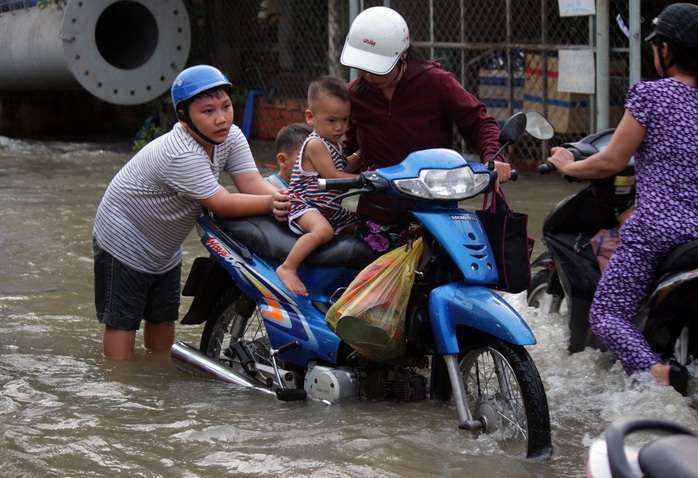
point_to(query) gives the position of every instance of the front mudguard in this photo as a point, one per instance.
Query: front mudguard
(477, 307)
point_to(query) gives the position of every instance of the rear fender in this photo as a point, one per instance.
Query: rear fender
(477, 307)
(207, 281)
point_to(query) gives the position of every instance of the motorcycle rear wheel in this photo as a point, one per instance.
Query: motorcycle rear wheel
(235, 318)
(504, 390)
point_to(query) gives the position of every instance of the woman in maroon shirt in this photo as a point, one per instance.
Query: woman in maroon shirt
(401, 103)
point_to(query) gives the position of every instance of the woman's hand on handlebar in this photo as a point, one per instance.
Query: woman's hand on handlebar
(561, 158)
(503, 171)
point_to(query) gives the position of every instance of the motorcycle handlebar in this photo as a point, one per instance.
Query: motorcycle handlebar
(579, 150)
(345, 184)
(342, 184)
(546, 168)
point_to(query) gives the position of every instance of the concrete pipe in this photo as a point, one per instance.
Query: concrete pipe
(124, 52)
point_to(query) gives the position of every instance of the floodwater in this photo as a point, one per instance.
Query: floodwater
(66, 411)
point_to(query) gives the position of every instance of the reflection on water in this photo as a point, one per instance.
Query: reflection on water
(66, 411)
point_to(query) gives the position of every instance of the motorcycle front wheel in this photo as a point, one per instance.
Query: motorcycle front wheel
(539, 286)
(537, 295)
(504, 391)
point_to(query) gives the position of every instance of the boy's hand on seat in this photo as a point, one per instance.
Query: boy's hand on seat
(280, 204)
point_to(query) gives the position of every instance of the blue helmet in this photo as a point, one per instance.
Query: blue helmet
(195, 79)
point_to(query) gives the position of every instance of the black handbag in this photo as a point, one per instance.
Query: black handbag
(507, 232)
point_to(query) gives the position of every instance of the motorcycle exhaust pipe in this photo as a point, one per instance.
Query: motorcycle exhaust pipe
(189, 359)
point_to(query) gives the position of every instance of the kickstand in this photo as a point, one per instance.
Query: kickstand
(283, 393)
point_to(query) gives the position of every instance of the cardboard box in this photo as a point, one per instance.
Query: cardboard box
(493, 91)
(567, 112)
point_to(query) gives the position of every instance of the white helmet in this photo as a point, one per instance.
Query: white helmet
(376, 39)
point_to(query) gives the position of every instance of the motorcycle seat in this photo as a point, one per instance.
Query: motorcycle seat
(683, 257)
(272, 239)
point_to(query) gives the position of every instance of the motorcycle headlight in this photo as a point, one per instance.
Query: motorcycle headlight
(445, 184)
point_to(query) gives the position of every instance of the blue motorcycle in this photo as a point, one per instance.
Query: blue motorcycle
(463, 342)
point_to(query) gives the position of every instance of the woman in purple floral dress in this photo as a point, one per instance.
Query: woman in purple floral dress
(660, 128)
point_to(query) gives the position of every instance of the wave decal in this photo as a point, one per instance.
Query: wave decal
(277, 308)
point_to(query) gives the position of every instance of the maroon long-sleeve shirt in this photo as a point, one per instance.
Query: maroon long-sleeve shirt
(427, 102)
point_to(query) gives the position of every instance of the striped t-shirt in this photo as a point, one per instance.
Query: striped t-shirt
(151, 205)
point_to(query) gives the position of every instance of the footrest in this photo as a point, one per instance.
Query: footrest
(242, 352)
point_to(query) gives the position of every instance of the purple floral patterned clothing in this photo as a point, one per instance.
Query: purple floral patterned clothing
(380, 237)
(305, 195)
(666, 214)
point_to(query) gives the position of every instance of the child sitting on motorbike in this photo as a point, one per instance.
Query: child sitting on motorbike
(659, 127)
(152, 205)
(288, 144)
(312, 213)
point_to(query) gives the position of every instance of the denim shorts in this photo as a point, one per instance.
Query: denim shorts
(124, 296)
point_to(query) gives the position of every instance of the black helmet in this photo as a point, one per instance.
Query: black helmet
(679, 23)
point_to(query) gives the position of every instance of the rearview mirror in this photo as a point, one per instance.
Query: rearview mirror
(537, 126)
(513, 128)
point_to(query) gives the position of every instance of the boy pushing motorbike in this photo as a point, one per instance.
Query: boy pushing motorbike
(152, 205)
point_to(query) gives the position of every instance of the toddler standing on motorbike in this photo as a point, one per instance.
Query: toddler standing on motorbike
(152, 205)
(660, 127)
(312, 213)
